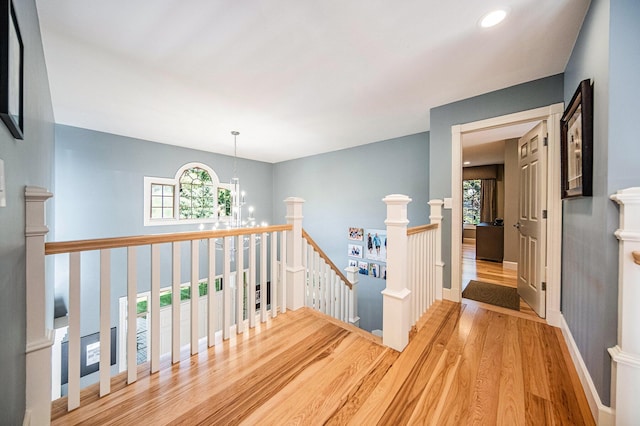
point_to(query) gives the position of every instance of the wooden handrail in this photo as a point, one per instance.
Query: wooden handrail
(141, 240)
(636, 257)
(421, 228)
(326, 258)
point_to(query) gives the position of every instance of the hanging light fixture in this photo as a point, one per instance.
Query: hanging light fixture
(238, 196)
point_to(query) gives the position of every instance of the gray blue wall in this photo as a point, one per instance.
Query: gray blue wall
(518, 98)
(345, 188)
(607, 52)
(26, 162)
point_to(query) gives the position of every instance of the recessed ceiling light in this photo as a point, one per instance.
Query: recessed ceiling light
(466, 163)
(493, 18)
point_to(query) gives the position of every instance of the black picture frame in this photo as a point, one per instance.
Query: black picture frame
(576, 132)
(85, 369)
(11, 70)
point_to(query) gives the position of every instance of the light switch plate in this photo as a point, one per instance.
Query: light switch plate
(448, 203)
(3, 191)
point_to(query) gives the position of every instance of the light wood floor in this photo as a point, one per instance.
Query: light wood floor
(490, 272)
(466, 365)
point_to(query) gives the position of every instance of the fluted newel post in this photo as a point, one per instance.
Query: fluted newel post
(40, 299)
(436, 217)
(396, 296)
(626, 354)
(295, 268)
(352, 276)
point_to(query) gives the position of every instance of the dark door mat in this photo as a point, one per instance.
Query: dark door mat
(494, 294)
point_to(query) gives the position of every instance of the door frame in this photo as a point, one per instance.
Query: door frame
(552, 115)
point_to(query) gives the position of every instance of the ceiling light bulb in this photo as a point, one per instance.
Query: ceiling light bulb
(466, 163)
(493, 18)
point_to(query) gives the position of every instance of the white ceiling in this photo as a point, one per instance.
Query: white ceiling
(296, 78)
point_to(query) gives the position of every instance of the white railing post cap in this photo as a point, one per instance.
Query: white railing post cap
(396, 199)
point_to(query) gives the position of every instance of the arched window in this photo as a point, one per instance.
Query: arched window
(194, 195)
(197, 195)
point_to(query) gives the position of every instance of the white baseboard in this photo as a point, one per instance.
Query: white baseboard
(451, 294)
(510, 265)
(603, 415)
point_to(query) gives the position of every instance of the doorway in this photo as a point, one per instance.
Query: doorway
(551, 272)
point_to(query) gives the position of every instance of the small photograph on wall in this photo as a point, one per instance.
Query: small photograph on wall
(383, 272)
(355, 250)
(374, 270)
(363, 268)
(356, 234)
(376, 244)
(353, 262)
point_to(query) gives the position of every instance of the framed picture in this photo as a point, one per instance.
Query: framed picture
(363, 268)
(89, 355)
(356, 234)
(11, 70)
(355, 250)
(353, 263)
(374, 270)
(376, 244)
(576, 127)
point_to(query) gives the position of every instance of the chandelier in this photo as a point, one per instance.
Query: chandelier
(238, 199)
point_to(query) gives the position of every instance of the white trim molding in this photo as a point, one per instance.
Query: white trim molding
(551, 114)
(602, 414)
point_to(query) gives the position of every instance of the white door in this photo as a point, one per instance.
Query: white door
(532, 156)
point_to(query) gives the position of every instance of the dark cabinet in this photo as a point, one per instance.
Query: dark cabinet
(489, 242)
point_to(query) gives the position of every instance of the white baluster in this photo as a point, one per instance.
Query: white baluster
(73, 387)
(263, 277)
(283, 274)
(195, 295)
(226, 289)
(175, 303)
(155, 307)
(251, 300)
(240, 284)
(105, 322)
(274, 274)
(211, 294)
(132, 316)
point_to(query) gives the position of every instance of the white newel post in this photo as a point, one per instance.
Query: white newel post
(626, 354)
(396, 296)
(352, 276)
(436, 217)
(295, 268)
(40, 333)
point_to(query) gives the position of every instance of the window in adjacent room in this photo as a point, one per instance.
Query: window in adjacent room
(471, 201)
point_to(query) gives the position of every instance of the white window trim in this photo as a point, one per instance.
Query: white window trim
(175, 182)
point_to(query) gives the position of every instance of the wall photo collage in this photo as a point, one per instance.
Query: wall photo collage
(369, 245)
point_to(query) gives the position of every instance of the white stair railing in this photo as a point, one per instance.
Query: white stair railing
(238, 309)
(327, 289)
(414, 270)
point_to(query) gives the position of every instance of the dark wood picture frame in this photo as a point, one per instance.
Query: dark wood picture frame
(576, 129)
(11, 70)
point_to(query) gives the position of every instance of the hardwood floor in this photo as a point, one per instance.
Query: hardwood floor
(466, 365)
(490, 272)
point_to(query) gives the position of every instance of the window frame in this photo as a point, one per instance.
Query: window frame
(175, 182)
